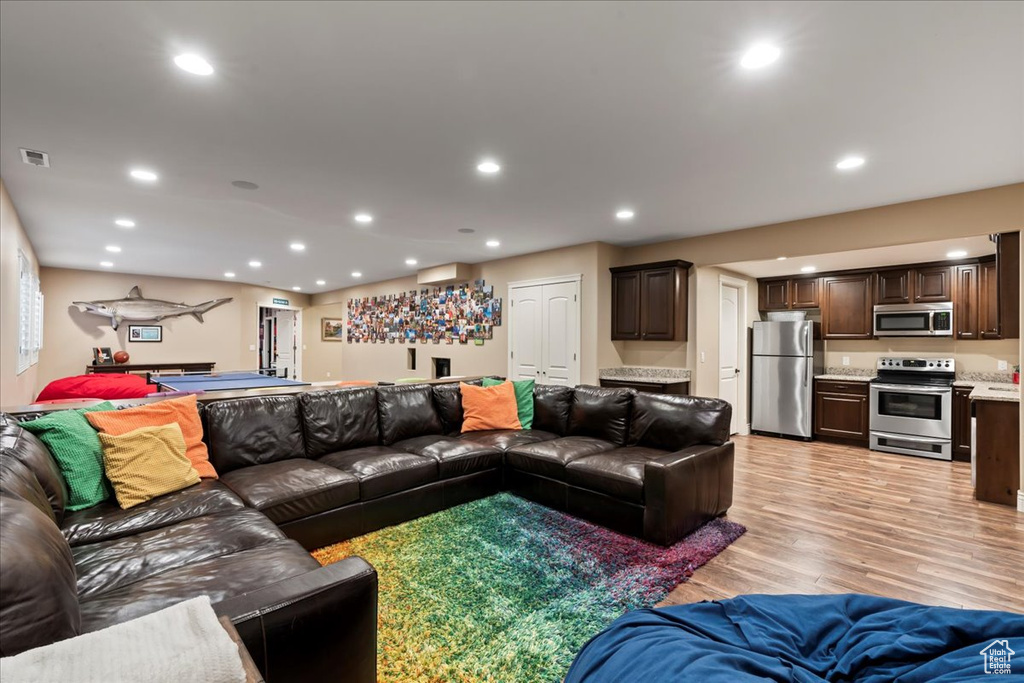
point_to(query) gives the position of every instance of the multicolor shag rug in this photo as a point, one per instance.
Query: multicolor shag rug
(502, 589)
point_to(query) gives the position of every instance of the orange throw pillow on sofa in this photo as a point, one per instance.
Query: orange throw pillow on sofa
(184, 411)
(489, 407)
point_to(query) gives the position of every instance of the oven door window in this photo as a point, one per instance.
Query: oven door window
(903, 322)
(917, 406)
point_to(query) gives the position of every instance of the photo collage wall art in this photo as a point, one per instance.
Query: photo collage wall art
(462, 313)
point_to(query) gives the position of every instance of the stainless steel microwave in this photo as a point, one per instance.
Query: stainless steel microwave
(914, 320)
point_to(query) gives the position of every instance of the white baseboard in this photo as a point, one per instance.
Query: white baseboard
(1020, 500)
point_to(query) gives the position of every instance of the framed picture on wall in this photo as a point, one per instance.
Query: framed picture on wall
(332, 329)
(101, 355)
(145, 333)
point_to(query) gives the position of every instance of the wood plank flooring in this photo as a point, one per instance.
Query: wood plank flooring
(823, 518)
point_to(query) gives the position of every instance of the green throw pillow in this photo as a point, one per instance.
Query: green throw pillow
(75, 446)
(524, 398)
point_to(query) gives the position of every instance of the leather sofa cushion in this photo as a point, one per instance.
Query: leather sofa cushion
(21, 445)
(17, 480)
(219, 578)
(448, 401)
(339, 420)
(551, 406)
(505, 439)
(253, 431)
(292, 489)
(407, 411)
(107, 520)
(677, 422)
(618, 473)
(38, 597)
(382, 470)
(601, 413)
(454, 456)
(549, 458)
(112, 564)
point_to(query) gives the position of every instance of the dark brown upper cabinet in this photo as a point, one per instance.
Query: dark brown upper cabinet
(892, 286)
(846, 311)
(773, 295)
(932, 284)
(965, 301)
(1008, 274)
(649, 301)
(788, 293)
(988, 300)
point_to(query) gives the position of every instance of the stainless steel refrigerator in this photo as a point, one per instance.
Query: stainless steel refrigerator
(786, 357)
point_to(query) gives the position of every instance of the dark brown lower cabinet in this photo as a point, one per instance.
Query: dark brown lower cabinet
(841, 411)
(674, 387)
(962, 423)
(997, 462)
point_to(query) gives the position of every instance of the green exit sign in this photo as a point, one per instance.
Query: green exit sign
(280, 302)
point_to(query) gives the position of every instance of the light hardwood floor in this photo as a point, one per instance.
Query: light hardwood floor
(823, 518)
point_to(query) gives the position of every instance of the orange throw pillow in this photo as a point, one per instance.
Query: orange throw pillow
(183, 411)
(489, 407)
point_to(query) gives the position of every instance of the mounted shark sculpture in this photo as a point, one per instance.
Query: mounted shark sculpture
(135, 308)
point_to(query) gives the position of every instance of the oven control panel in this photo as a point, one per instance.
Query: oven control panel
(918, 364)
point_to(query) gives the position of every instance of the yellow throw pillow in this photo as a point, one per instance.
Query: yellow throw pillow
(147, 462)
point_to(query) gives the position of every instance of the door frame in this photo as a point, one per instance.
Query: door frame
(298, 335)
(742, 395)
(557, 280)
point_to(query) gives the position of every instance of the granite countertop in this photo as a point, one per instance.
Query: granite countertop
(645, 375)
(996, 391)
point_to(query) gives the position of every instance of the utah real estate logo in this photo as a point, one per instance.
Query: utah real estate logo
(997, 657)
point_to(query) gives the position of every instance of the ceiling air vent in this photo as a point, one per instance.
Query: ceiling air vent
(31, 156)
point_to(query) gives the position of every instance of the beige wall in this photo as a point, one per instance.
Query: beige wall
(388, 361)
(15, 389)
(223, 338)
(971, 355)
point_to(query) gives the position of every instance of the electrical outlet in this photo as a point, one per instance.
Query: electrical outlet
(328, 374)
(846, 360)
(252, 347)
(1002, 366)
(702, 357)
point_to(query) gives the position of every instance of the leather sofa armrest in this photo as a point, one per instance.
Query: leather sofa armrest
(685, 489)
(318, 626)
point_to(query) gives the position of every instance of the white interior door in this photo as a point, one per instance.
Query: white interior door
(286, 344)
(526, 333)
(729, 351)
(560, 355)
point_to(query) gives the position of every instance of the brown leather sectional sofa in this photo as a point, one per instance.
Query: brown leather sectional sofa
(302, 471)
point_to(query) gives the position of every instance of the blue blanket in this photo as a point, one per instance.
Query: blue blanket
(804, 639)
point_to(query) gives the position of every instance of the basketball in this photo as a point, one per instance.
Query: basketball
(121, 357)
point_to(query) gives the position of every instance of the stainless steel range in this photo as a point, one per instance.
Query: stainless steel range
(912, 406)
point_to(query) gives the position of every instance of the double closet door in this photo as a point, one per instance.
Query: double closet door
(544, 333)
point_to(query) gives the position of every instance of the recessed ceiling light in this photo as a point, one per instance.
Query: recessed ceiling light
(410, 262)
(245, 185)
(808, 269)
(113, 249)
(488, 167)
(107, 264)
(255, 264)
(229, 274)
(125, 223)
(467, 231)
(356, 273)
(296, 288)
(850, 162)
(194, 64)
(493, 243)
(297, 246)
(781, 258)
(321, 283)
(958, 253)
(144, 175)
(759, 56)
(625, 214)
(363, 218)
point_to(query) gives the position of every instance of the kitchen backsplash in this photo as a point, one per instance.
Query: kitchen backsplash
(972, 356)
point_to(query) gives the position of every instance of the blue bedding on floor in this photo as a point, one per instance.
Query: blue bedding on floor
(800, 638)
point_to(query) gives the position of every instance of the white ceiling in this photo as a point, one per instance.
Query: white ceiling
(334, 108)
(924, 252)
